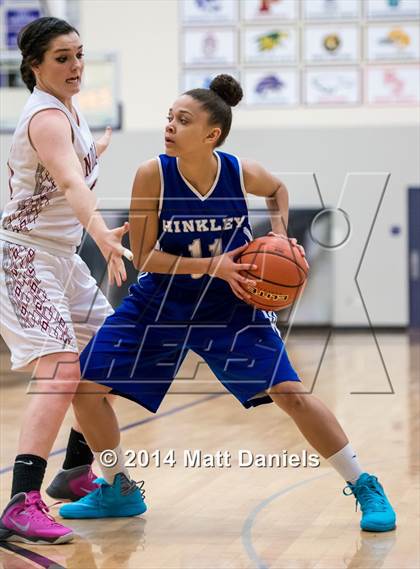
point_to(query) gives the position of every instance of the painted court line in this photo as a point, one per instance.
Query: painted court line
(249, 522)
(49, 563)
(141, 422)
(246, 533)
(40, 560)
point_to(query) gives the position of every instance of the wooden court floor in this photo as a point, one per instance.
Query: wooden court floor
(231, 515)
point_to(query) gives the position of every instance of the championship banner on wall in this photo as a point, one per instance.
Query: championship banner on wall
(216, 12)
(327, 44)
(268, 87)
(332, 86)
(392, 9)
(210, 46)
(324, 10)
(393, 42)
(277, 44)
(393, 85)
(269, 10)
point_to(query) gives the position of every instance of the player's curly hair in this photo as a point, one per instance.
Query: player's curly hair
(34, 40)
(223, 93)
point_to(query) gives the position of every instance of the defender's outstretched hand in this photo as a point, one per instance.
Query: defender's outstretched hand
(113, 251)
(103, 142)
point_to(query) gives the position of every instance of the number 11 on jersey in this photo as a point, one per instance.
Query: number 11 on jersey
(196, 250)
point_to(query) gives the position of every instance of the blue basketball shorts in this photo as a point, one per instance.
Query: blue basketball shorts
(139, 349)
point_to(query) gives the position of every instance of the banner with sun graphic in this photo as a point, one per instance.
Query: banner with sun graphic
(332, 44)
(393, 42)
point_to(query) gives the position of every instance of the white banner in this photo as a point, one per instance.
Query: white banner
(324, 10)
(212, 46)
(271, 87)
(268, 10)
(393, 85)
(332, 44)
(332, 86)
(393, 42)
(392, 9)
(209, 11)
(274, 44)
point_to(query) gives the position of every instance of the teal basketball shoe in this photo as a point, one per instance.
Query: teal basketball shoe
(121, 499)
(377, 512)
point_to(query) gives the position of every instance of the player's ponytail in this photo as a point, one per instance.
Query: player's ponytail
(224, 92)
(34, 40)
(227, 88)
(27, 75)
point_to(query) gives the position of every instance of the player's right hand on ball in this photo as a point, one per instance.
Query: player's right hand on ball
(293, 241)
(224, 267)
(113, 251)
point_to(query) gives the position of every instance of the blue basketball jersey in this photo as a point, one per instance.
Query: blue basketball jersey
(192, 225)
(140, 348)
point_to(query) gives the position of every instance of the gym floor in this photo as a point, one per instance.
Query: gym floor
(236, 515)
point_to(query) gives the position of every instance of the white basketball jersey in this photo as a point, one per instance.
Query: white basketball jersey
(38, 209)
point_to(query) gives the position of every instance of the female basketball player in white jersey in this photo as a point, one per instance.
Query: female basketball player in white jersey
(50, 303)
(189, 221)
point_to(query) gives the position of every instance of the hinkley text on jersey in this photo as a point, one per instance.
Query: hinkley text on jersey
(202, 225)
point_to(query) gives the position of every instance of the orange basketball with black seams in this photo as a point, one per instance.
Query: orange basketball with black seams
(281, 274)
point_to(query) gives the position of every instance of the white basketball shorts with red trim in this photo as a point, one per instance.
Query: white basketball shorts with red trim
(48, 303)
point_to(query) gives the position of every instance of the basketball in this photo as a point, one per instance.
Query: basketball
(281, 274)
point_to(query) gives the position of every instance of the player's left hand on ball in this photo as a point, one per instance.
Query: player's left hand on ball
(103, 142)
(293, 241)
(224, 267)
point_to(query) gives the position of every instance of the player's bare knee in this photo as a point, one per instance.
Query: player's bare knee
(63, 380)
(290, 397)
(291, 403)
(89, 395)
(67, 379)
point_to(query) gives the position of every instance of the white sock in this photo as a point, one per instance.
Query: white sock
(346, 463)
(116, 456)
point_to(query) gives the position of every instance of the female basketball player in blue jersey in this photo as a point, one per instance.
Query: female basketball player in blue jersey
(189, 222)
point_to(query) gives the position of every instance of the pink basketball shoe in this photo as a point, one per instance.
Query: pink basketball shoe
(26, 519)
(72, 484)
